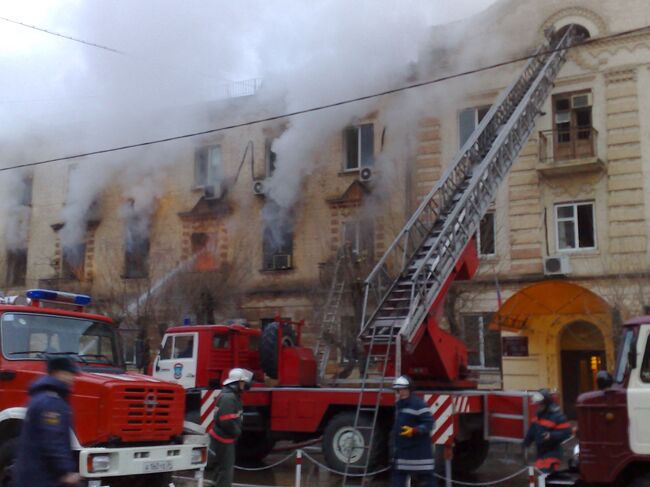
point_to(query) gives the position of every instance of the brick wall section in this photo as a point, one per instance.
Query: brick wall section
(525, 212)
(428, 167)
(625, 177)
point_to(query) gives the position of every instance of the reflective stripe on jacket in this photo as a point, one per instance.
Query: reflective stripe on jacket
(228, 414)
(549, 421)
(414, 453)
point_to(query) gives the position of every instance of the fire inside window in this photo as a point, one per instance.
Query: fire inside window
(72, 261)
(202, 252)
(359, 146)
(575, 226)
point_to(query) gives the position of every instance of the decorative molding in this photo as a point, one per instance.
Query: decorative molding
(621, 74)
(586, 14)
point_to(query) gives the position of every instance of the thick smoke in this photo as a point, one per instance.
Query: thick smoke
(175, 61)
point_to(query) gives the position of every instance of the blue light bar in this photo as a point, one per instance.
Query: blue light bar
(58, 296)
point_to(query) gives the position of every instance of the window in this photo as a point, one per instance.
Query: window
(177, 346)
(486, 240)
(26, 195)
(136, 252)
(359, 146)
(360, 236)
(575, 226)
(16, 267)
(277, 246)
(221, 340)
(573, 125)
(468, 120)
(72, 261)
(270, 159)
(201, 251)
(483, 344)
(207, 164)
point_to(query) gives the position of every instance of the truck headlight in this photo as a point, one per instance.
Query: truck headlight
(199, 455)
(98, 462)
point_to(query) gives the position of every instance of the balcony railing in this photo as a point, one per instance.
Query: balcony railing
(566, 145)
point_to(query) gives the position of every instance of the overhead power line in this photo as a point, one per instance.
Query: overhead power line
(319, 107)
(64, 36)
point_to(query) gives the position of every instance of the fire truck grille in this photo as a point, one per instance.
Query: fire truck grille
(149, 413)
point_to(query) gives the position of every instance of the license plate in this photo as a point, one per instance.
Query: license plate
(161, 466)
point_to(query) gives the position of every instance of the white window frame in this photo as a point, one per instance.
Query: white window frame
(476, 111)
(212, 168)
(558, 220)
(494, 231)
(359, 165)
(483, 323)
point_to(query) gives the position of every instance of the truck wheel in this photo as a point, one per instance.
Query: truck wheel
(253, 446)
(7, 457)
(269, 347)
(340, 437)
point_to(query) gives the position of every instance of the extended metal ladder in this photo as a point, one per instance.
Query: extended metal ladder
(401, 289)
(330, 317)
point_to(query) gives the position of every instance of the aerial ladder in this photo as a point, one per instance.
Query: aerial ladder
(405, 291)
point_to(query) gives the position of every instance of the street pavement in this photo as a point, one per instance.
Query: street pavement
(503, 461)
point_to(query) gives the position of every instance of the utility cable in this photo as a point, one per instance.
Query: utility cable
(323, 106)
(64, 36)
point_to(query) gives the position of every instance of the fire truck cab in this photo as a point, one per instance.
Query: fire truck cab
(128, 428)
(614, 422)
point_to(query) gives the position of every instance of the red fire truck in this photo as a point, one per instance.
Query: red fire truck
(399, 331)
(614, 422)
(128, 429)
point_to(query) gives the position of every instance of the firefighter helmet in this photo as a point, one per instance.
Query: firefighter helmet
(402, 382)
(236, 375)
(543, 398)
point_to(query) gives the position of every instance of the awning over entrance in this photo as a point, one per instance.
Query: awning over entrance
(544, 299)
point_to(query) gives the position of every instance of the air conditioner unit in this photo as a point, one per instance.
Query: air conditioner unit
(282, 261)
(212, 191)
(259, 187)
(365, 174)
(557, 265)
(581, 101)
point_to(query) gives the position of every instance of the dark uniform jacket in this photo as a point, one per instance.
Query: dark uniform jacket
(44, 452)
(414, 453)
(549, 450)
(228, 414)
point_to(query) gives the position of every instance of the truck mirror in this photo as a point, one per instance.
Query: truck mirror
(604, 380)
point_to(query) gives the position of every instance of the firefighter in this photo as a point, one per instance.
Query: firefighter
(44, 456)
(548, 431)
(227, 427)
(412, 437)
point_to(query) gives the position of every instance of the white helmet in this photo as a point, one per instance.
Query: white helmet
(402, 382)
(235, 375)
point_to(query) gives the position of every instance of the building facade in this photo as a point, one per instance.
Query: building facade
(564, 251)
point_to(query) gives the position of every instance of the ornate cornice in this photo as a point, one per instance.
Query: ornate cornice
(584, 13)
(621, 74)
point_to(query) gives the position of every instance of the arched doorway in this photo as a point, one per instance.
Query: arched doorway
(582, 355)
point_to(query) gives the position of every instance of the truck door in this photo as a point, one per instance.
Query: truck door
(176, 361)
(638, 396)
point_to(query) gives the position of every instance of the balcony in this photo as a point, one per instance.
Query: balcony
(570, 151)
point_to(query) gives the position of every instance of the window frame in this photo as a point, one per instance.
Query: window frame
(494, 236)
(558, 220)
(361, 161)
(483, 320)
(364, 233)
(478, 118)
(286, 249)
(203, 155)
(12, 277)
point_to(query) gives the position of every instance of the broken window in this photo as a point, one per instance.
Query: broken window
(72, 261)
(16, 267)
(277, 246)
(359, 235)
(359, 146)
(26, 195)
(207, 166)
(486, 236)
(202, 253)
(468, 120)
(575, 226)
(136, 251)
(483, 344)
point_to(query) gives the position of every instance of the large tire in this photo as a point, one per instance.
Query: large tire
(340, 433)
(253, 446)
(7, 457)
(269, 347)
